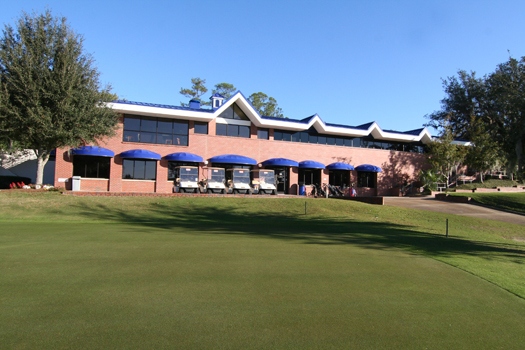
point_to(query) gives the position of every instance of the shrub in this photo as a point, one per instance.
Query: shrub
(6, 181)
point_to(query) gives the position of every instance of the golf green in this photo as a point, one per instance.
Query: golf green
(67, 285)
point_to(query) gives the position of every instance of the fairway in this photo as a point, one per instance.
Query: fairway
(249, 274)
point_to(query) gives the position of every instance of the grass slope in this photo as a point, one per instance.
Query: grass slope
(507, 201)
(252, 273)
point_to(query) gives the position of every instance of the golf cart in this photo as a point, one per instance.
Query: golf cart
(239, 181)
(266, 181)
(215, 181)
(187, 180)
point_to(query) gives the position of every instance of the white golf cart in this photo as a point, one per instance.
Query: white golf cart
(215, 181)
(239, 181)
(187, 180)
(266, 181)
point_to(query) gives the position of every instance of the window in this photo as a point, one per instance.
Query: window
(309, 176)
(232, 130)
(91, 166)
(155, 130)
(366, 179)
(139, 169)
(262, 134)
(339, 177)
(233, 112)
(201, 128)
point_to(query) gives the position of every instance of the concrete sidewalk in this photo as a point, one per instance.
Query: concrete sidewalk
(472, 210)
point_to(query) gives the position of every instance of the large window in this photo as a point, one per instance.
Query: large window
(91, 166)
(339, 178)
(233, 130)
(309, 176)
(155, 130)
(139, 169)
(366, 179)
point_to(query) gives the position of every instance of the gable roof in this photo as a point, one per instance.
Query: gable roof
(203, 114)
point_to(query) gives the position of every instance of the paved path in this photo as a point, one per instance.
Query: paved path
(472, 210)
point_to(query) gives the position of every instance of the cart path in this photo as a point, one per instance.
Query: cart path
(472, 210)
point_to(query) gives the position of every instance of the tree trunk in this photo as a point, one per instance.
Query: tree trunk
(42, 158)
(519, 155)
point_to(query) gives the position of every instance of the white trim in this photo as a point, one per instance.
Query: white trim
(254, 117)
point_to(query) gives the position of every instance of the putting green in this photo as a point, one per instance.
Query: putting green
(78, 285)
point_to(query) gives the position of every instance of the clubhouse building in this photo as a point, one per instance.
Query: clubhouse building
(153, 140)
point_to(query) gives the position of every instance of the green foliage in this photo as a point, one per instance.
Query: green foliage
(265, 105)
(489, 111)
(429, 178)
(224, 89)
(444, 156)
(195, 92)
(50, 94)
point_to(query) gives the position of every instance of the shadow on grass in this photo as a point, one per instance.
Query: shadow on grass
(306, 229)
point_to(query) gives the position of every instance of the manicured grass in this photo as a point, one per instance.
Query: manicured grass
(253, 273)
(508, 201)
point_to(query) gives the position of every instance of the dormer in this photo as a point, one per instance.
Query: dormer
(216, 100)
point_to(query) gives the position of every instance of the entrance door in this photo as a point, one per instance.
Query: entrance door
(282, 175)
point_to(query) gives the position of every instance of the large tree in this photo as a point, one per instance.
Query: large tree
(265, 105)
(489, 111)
(225, 89)
(50, 94)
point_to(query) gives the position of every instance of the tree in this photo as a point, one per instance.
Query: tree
(265, 105)
(195, 92)
(50, 94)
(224, 89)
(484, 154)
(507, 84)
(444, 156)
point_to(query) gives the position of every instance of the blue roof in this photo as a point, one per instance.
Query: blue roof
(162, 106)
(184, 157)
(339, 166)
(233, 159)
(368, 167)
(140, 154)
(310, 164)
(217, 95)
(92, 151)
(280, 162)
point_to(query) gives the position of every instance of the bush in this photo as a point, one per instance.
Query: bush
(5, 181)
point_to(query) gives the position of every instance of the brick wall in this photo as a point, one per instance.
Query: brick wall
(397, 166)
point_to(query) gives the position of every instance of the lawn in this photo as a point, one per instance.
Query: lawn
(233, 273)
(507, 201)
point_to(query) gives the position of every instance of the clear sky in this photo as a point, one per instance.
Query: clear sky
(352, 62)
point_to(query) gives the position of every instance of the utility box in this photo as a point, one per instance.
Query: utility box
(76, 183)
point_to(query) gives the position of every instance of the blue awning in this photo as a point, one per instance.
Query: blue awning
(92, 151)
(368, 167)
(310, 164)
(233, 159)
(184, 157)
(140, 154)
(280, 162)
(339, 166)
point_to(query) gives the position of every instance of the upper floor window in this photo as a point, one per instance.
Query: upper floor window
(262, 134)
(232, 130)
(201, 128)
(233, 112)
(155, 130)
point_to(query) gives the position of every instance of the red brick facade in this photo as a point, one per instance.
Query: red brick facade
(397, 167)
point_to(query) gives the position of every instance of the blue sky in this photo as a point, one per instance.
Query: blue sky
(352, 62)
